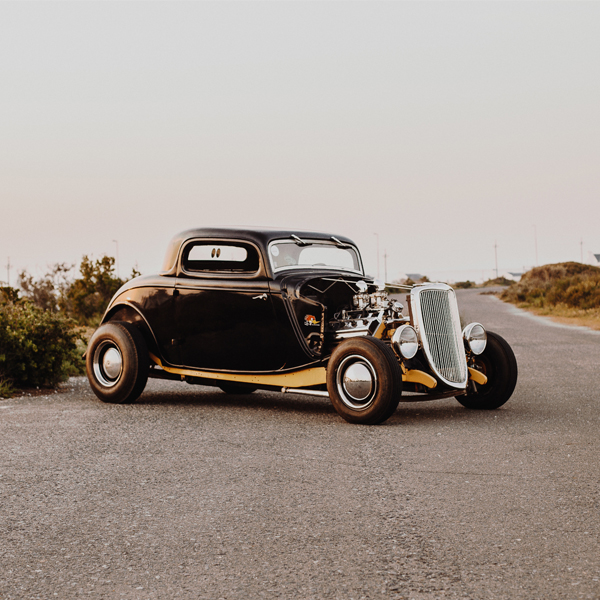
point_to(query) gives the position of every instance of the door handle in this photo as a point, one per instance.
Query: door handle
(261, 297)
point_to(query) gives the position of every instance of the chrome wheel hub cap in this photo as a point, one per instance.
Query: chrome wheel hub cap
(108, 364)
(356, 382)
(112, 362)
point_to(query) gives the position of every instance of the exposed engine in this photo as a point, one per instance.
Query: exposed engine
(370, 311)
(329, 309)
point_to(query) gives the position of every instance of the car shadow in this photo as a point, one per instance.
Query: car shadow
(208, 397)
(411, 413)
(407, 413)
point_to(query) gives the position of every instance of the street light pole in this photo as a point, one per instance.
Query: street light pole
(377, 235)
(118, 270)
(385, 264)
(496, 253)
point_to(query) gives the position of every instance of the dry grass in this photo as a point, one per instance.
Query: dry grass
(572, 284)
(568, 293)
(567, 315)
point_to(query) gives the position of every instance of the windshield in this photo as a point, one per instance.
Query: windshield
(315, 254)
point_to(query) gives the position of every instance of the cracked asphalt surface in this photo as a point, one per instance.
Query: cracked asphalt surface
(190, 493)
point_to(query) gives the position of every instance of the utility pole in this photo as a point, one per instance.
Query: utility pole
(118, 273)
(385, 264)
(8, 272)
(535, 240)
(377, 235)
(496, 253)
(581, 244)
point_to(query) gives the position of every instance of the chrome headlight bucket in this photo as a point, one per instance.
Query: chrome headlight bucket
(475, 337)
(405, 341)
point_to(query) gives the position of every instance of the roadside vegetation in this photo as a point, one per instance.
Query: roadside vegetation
(464, 285)
(458, 285)
(568, 292)
(45, 324)
(399, 285)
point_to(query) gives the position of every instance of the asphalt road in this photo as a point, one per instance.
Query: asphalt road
(191, 493)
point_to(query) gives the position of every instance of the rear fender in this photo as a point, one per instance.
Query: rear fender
(130, 314)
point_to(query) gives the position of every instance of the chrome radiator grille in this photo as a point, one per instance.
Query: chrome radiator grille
(438, 322)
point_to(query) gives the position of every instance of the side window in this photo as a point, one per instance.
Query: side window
(220, 257)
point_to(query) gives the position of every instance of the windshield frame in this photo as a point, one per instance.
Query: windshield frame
(312, 241)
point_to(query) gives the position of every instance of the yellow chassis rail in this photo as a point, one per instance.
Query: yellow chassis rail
(301, 379)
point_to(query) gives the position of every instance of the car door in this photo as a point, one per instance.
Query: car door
(223, 309)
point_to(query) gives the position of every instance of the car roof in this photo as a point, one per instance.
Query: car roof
(261, 236)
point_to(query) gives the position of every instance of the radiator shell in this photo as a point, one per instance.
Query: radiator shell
(437, 321)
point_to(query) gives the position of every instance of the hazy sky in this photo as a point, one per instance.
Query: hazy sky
(442, 127)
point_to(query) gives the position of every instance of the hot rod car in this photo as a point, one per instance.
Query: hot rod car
(243, 309)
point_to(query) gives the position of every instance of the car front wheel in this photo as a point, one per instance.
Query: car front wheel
(117, 363)
(499, 365)
(364, 381)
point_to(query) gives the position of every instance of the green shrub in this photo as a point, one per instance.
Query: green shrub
(37, 347)
(6, 389)
(89, 295)
(83, 298)
(50, 291)
(8, 294)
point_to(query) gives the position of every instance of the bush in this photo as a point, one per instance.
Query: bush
(40, 340)
(6, 389)
(90, 294)
(83, 298)
(570, 284)
(49, 292)
(463, 285)
(497, 281)
(37, 347)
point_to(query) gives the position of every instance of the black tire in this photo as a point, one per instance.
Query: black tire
(374, 398)
(117, 363)
(232, 387)
(499, 364)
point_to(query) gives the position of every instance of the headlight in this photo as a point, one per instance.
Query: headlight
(405, 341)
(475, 337)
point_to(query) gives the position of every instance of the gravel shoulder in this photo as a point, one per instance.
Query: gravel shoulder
(190, 493)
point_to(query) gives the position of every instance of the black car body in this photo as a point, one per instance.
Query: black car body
(276, 309)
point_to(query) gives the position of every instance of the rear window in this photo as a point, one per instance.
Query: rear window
(220, 257)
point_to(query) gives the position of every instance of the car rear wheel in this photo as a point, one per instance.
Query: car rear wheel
(117, 363)
(364, 381)
(499, 365)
